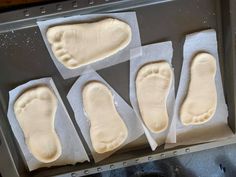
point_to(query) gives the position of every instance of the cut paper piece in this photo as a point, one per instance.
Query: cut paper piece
(153, 56)
(200, 103)
(35, 111)
(72, 149)
(153, 83)
(107, 131)
(126, 19)
(83, 43)
(105, 101)
(196, 43)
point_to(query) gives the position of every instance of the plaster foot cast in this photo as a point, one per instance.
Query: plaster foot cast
(80, 44)
(153, 83)
(200, 103)
(35, 111)
(107, 131)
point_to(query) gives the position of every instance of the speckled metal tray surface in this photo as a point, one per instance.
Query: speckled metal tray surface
(23, 56)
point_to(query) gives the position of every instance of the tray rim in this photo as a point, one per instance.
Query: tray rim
(26, 17)
(150, 158)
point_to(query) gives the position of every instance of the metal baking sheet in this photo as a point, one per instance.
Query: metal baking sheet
(23, 56)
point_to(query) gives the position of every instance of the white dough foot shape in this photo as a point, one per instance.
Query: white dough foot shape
(153, 83)
(200, 103)
(107, 129)
(80, 44)
(35, 111)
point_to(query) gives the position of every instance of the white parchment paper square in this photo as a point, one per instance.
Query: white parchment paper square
(72, 148)
(217, 127)
(74, 96)
(121, 56)
(151, 53)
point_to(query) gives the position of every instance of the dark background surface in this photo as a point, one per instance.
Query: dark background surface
(7, 5)
(217, 162)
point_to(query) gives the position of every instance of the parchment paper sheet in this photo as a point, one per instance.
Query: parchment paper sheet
(74, 96)
(217, 127)
(72, 148)
(123, 55)
(151, 53)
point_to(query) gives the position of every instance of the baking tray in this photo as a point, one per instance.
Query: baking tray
(23, 56)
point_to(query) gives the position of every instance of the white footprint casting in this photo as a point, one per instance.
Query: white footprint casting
(80, 44)
(35, 111)
(200, 103)
(107, 130)
(153, 83)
